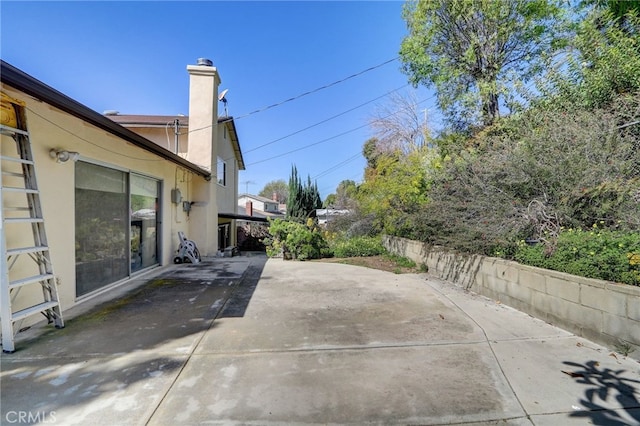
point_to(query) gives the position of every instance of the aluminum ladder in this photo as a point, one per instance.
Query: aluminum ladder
(21, 209)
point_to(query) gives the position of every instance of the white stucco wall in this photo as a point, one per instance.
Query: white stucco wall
(57, 188)
(164, 137)
(228, 194)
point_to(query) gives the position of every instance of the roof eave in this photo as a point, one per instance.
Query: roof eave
(231, 126)
(22, 81)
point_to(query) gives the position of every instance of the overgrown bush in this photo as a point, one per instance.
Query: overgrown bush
(534, 174)
(357, 247)
(354, 224)
(293, 240)
(597, 253)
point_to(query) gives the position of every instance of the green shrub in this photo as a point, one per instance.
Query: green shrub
(596, 253)
(401, 261)
(357, 247)
(294, 240)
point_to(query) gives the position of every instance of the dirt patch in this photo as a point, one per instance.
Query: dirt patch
(383, 263)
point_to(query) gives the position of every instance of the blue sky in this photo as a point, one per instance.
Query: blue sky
(132, 57)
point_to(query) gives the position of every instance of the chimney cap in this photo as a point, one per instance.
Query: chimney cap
(205, 62)
(111, 112)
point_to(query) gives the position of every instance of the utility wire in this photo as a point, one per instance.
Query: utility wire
(319, 88)
(326, 86)
(337, 166)
(88, 141)
(332, 137)
(308, 146)
(325, 120)
(359, 181)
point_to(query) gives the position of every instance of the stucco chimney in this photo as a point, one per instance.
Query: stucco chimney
(249, 208)
(274, 196)
(202, 149)
(203, 113)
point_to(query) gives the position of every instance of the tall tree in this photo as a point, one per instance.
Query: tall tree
(279, 188)
(472, 51)
(294, 203)
(601, 62)
(303, 199)
(346, 194)
(619, 9)
(400, 124)
(311, 197)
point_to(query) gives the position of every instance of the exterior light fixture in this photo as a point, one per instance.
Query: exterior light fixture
(62, 156)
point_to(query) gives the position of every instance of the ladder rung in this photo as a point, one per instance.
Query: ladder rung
(8, 129)
(16, 160)
(14, 174)
(16, 209)
(26, 250)
(16, 316)
(30, 280)
(23, 190)
(23, 220)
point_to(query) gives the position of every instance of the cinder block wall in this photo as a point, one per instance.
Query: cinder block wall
(604, 312)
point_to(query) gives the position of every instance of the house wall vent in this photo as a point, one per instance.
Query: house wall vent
(205, 62)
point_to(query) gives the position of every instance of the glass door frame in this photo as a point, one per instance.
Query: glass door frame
(159, 217)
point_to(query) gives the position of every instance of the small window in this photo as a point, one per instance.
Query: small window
(222, 172)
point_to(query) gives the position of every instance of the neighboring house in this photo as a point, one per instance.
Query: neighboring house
(115, 209)
(261, 206)
(254, 213)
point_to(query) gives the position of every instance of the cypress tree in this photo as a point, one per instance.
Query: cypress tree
(303, 200)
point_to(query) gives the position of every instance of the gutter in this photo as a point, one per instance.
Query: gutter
(23, 82)
(243, 217)
(233, 133)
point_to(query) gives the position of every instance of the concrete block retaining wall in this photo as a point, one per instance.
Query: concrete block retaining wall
(604, 312)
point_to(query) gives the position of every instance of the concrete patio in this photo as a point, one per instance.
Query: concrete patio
(244, 340)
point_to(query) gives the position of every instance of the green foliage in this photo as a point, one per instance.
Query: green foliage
(538, 172)
(596, 253)
(303, 200)
(357, 247)
(370, 152)
(294, 240)
(397, 186)
(330, 200)
(601, 64)
(401, 261)
(345, 196)
(473, 52)
(295, 207)
(278, 187)
(354, 224)
(564, 160)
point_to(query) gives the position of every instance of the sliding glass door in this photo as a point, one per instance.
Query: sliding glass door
(144, 219)
(102, 227)
(116, 225)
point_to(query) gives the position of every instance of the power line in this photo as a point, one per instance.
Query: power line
(319, 88)
(308, 146)
(325, 120)
(337, 166)
(332, 137)
(359, 181)
(326, 86)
